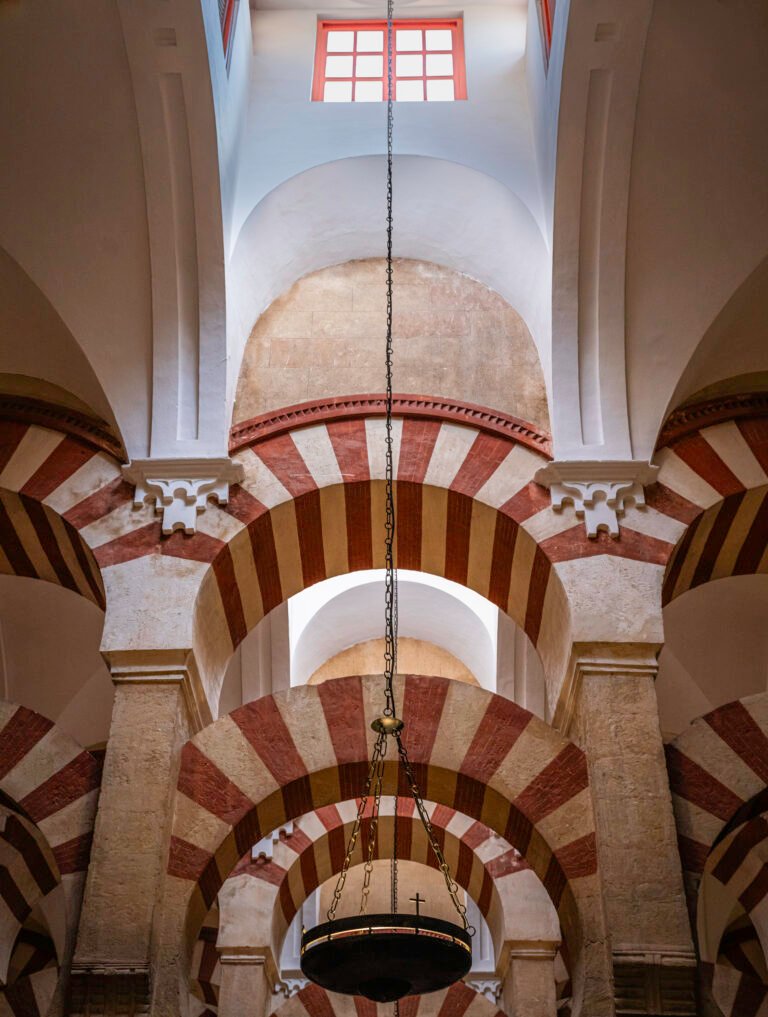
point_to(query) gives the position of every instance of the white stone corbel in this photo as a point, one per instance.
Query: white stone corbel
(181, 487)
(599, 491)
(290, 987)
(488, 987)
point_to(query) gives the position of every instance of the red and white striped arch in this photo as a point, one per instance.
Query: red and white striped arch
(482, 862)
(718, 773)
(293, 753)
(739, 978)
(714, 481)
(53, 781)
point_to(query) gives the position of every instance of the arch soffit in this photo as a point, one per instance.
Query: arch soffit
(448, 214)
(482, 862)
(252, 771)
(713, 489)
(460, 998)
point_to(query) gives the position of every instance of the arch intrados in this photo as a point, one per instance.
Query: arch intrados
(530, 784)
(312, 1001)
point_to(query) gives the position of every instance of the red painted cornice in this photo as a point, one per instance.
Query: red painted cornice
(90, 430)
(688, 419)
(323, 411)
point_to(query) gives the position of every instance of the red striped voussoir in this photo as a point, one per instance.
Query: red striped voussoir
(714, 482)
(738, 985)
(316, 849)
(286, 755)
(716, 767)
(29, 870)
(30, 996)
(54, 782)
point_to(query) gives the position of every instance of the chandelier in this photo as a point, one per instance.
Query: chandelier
(388, 956)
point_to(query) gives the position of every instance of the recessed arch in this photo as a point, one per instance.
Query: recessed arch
(250, 772)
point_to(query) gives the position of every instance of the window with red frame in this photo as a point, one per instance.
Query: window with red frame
(351, 61)
(546, 20)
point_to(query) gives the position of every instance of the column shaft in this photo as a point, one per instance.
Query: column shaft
(244, 987)
(615, 720)
(529, 988)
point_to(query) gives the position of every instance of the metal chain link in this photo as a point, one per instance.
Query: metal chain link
(374, 824)
(379, 749)
(450, 882)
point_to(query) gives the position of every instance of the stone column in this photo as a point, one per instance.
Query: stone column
(529, 986)
(611, 712)
(245, 984)
(156, 708)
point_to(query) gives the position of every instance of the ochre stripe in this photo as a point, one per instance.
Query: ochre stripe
(87, 563)
(483, 459)
(22, 732)
(262, 724)
(558, 782)
(350, 445)
(754, 545)
(692, 782)
(68, 456)
(501, 725)
(743, 842)
(678, 560)
(204, 783)
(416, 447)
(282, 458)
(49, 543)
(309, 525)
(737, 728)
(696, 451)
(71, 782)
(716, 539)
(17, 557)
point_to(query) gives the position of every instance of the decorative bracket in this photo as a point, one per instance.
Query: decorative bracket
(290, 986)
(181, 487)
(598, 491)
(488, 987)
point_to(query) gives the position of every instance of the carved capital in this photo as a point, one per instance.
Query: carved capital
(181, 487)
(488, 987)
(598, 491)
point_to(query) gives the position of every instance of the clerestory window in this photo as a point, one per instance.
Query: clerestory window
(428, 56)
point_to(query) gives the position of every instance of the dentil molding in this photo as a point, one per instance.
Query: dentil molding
(599, 491)
(181, 487)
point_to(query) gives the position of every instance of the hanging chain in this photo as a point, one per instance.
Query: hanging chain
(390, 581)
(450, 882)
(379, 751)
(374, 824)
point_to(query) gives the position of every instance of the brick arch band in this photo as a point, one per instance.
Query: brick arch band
(483, 863)
(289, 754)
(311, 506)
(714, 481)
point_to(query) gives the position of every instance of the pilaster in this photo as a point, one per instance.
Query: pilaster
(247, 977)
(158, 704)
(529, 985)
(609, 708)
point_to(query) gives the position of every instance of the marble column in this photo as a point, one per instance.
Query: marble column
(155, 711)
(612, 714)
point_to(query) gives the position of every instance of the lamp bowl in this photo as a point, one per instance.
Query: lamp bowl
(386, 957)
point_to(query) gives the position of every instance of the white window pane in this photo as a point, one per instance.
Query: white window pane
(439, 38)
(409, 91)
(370, 42)
(369, 67)
(410, 66)
(407, 40)
(338, 67)
(369, 91)
(439, 64)
(337, 91)
(440, 90)
(341, 42)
